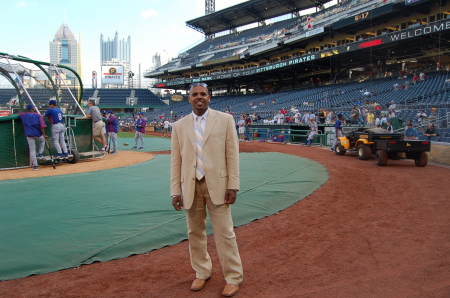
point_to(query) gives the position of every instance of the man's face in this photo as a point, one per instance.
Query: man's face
(199, 99)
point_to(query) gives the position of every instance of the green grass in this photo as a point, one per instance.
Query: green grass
(125, 134)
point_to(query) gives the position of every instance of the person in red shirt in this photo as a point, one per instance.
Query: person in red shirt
(288, 119)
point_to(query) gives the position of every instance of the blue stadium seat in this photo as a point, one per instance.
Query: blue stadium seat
(435, 139)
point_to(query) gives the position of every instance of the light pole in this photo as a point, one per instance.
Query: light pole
(130, 79)
(94, 79)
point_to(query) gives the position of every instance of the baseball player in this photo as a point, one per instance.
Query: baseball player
(34, 127)
(314, 128)
(338, 130)
(140, 129)
(104, 119)
(112, 127)
(98, 126)
(56, 117)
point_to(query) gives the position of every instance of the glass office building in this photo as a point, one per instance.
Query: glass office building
(65, 50)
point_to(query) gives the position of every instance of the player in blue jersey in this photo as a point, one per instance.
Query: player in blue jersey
(104, 118)
(338, 130)
(56, 117)
(34, 127)
(140, 129)
(112, 127)
(314, 130)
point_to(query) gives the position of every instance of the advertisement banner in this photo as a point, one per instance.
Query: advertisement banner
(177, 98)
(112, 74)
(5, 113)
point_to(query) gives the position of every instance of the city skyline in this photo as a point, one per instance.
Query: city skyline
(116, 48)
(154, 25)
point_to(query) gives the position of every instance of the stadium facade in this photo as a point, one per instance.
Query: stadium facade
(350, 40)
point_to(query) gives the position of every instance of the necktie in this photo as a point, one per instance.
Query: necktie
(199, 169)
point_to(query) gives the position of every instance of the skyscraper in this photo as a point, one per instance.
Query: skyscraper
(65, 50)
(160, 58)
(116, 52)
(115, 49)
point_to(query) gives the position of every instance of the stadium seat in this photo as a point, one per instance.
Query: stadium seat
(423, 138)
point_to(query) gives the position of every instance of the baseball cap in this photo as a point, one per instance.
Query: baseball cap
(340, 115)
(139, 113)
(103, 111)
(110, 112)
(30, 106)
(52, 102)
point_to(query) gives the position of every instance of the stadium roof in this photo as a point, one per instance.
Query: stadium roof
(249, 12)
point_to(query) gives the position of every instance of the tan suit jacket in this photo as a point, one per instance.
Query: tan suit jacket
(220, 157)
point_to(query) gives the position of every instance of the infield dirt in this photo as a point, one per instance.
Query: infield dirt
(367, 232)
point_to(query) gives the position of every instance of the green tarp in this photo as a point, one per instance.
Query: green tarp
(52, 223)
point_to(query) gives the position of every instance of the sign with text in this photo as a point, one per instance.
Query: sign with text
(112, 74)
(396, 36)
(5, 113)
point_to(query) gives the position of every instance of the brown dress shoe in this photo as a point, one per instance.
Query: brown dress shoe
(230, 290)
(198, 284)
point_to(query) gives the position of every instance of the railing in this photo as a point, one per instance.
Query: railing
(288, 135)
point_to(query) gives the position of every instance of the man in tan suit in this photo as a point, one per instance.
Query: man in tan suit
(205, 173)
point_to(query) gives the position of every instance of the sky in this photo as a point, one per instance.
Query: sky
(28, 27)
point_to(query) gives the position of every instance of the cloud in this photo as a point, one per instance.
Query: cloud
(21, 4)
(149, 13)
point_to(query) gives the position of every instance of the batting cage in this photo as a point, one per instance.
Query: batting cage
(14, 146)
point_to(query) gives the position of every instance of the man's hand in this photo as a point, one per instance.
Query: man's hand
(177, 203)
(230, 196)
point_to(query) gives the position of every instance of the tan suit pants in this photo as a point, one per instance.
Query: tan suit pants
(222, 223)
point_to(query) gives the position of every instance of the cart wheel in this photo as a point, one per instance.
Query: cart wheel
(340, 150)
(75, 156)
(382, 158)
(422, 160)
(364, 152)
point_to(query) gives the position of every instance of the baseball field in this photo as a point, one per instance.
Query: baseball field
(365, 231)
